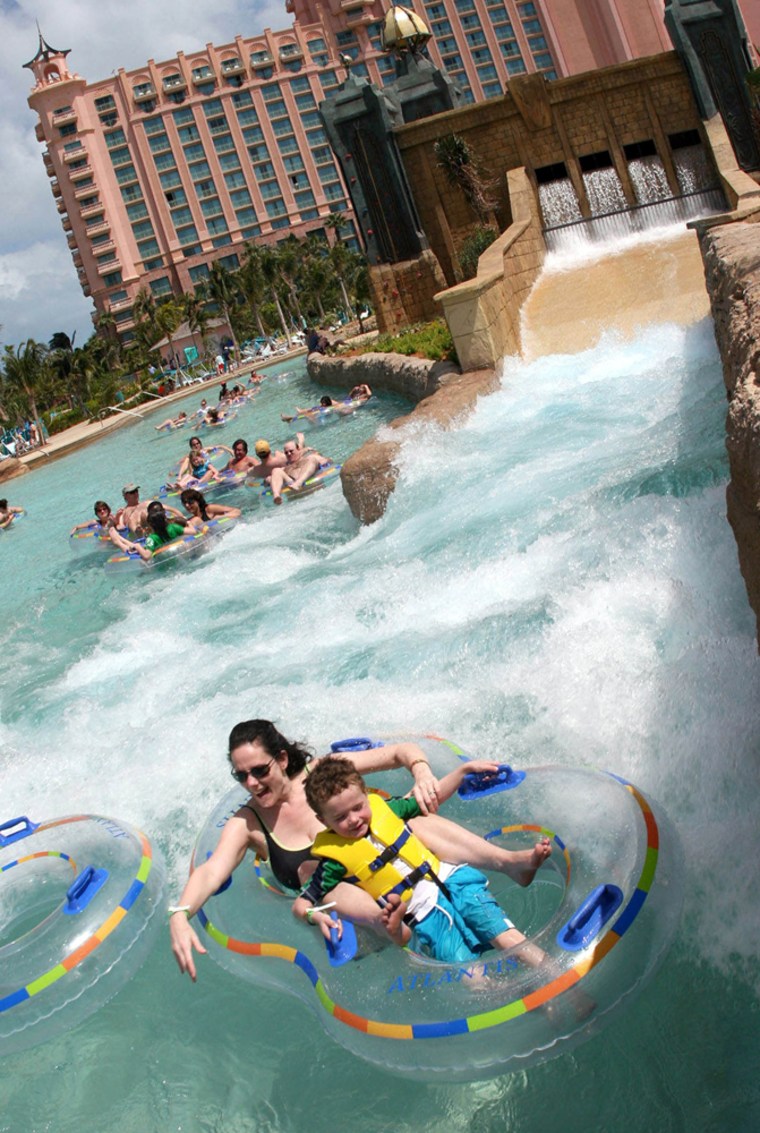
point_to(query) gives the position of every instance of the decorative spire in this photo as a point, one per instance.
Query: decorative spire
(45, 52)
(404, 31)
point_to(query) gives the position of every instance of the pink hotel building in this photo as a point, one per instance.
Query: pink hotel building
(159, 171)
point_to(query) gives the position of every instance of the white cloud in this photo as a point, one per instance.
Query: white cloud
(39, 291)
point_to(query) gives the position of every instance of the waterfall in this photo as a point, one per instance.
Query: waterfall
(559, 204)
(693, 169)
(604, 191)
(649, 180)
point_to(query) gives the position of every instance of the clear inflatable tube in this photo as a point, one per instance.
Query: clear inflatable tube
(78, 902)
(326, 475)
(603, 909)
(127, 562)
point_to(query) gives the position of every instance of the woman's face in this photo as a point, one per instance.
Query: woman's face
(195, 444)
(265, 779)
(193, 507)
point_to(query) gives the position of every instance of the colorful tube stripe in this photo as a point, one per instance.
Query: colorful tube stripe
(74, 958)
(470, 1024)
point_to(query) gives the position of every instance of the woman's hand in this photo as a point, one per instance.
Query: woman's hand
(184, 939)
(425, 788)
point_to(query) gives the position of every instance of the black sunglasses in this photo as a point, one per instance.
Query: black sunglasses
(260, 772)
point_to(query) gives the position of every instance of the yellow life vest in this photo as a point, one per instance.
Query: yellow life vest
(359, 856)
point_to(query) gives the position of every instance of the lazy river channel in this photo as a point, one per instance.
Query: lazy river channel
(554, 581)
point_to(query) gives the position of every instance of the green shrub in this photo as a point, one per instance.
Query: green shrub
(430, 340)
(473, 247)
(63, 420)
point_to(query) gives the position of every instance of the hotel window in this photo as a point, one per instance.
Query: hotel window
(311, 118)
(270, 91)
(187, 235)
(441, 27)
(545, 63)
(246, 117)
(304, 200)
(153, 125)
(223, 143)
(112, 279)
(515, 67)
(229, 160)
(276, 208)
(104, 238)
(492, 90)
(117, 297)
(475, 38)
(277, 109)
(299, 181)
(486, 73)
(200, 169)
(269, 190)
(327, 173)
(175, 197)
(258, 153)
(240, 197)
(235, 179)
(181, 216)
(120, 156)
(251, 233)
(170, 180)
(283, 222)
(282, 127)
(333, 192)
(215, 225)
(305, 101)
(300, 84)
(245, 215)
(163, 161)
(509, 49)
(242, 98)
(532, 27)
(183, 117)
(161, 286)
(288, 145)
(115, 138)
(465, 5)
(316, 137)
(445, 46)
(537, 43)
(131, 193)
(104, 103)
(148, 248)
(200, 273)
(472, 21)
(159, 142)
(205, 189)
(137, 212)
(126, 174)
(253, 134)
(142, 229)
(293, 163)
(108, 258)
(211, 206)
(218, 124)
(322, 154)
(109, 119)
(67, 130)
(345, 38)
(188, 133)
(194, 152)
(329, 81)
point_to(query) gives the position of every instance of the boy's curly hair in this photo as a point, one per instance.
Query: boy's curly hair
(327, 778)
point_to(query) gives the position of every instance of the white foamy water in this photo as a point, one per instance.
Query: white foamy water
(555, 581)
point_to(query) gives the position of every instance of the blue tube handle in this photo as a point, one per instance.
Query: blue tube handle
(83, 889)
(590, 917)
(27, 827)
(355, 743)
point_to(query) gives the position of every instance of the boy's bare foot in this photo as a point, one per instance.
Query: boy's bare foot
(524, 864)
(278, 500)
(393, 919)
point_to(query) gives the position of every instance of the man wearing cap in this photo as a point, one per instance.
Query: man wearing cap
(134, 514)
(267, 461)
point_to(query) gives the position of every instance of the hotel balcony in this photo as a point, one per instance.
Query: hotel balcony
(97, 229)
(67, 225)
(99, 249)
(203, 75)
(261, 59)
(143, 91)
(359, 17)
(173, 83)
(291, 51)
(48, 163)
(78, 174)
(84, 191)
(77, 258)
(61, 206)
(92, 210)
(72, 242)
(120, 304)
(109, 266)
(61, 117)
(74, 154)
(234, 66)
(56, 188)
(39, 132)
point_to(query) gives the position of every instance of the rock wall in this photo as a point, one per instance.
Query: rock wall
(731, 255)
(10, 468)
(441, 394)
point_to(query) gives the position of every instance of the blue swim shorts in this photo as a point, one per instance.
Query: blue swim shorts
(459, 930)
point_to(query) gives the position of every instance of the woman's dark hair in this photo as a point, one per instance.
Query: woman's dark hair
(192, 495)
(3, 504)
(326, 401)
(240, 441)
(99, 504)
(157, 518)
(273, 742)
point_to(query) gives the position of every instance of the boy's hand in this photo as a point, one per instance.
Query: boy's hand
(479, 767)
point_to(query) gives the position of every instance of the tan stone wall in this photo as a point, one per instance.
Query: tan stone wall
(483, 314)
(538, 123)
(404, 294)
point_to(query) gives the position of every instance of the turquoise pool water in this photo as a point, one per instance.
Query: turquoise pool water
(554, 581)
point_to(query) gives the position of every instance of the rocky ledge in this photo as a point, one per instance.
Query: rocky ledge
(731, 255)
(11, 467)
(440, 391)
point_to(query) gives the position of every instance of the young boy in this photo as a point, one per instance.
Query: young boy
(447, 909)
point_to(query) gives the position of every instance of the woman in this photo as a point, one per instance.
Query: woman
(172, 423)
(201, 471)
(161, 532)
(103, 515)
(278, 824)
(196, 445)
(201, 511)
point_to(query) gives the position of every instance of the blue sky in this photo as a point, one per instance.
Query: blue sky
(39, 290)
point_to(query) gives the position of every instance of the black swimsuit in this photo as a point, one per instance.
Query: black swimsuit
(283, 862)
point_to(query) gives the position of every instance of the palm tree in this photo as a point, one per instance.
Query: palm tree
(222, 289)
(252, 283)
(333, 222)
(197, 318)
(61, 356)
(25, 375)
(341, 260)
(270, 270)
